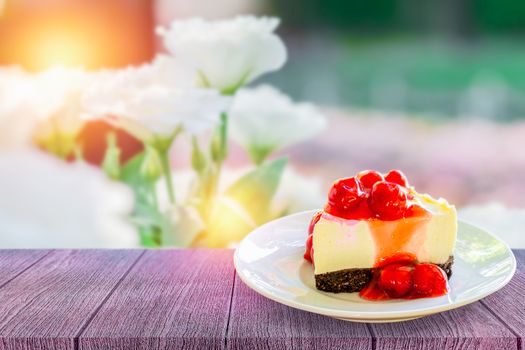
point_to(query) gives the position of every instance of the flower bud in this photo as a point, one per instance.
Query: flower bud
(111, 162)
(198, 158)
(151, 167)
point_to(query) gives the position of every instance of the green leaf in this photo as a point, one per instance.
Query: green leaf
(258, 153)
(149, 236)
(219, 141)
(130, 172)
(146, 215)
(256, 189)
(111, 162)
(229, 223)
(151, 167)
(199, 162)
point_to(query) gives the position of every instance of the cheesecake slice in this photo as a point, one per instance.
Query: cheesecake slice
(374, 221)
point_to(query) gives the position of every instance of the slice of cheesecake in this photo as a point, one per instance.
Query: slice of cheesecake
(371, 219)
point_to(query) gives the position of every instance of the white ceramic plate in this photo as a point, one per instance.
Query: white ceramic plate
(270, 261)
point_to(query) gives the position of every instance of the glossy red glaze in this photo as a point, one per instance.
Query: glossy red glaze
(308, 252)
(429, 280)
(372, 291)
(344, 197)
(388, 201)
(368, 178)
(396, 279)
(397, 177)
(401, 276)
(315, 220)
(370, 195)
(398, 258)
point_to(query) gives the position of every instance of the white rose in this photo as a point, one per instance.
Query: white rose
(28, 100)
(148, 101)
(18, 116)
(263, 120)
(229, 53)
(47, 203)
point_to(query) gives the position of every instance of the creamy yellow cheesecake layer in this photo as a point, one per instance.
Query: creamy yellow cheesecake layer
(344, 244)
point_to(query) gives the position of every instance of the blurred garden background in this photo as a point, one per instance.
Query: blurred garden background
(435, 88)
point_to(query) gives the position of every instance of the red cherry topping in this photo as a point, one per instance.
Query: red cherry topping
(368, 178)
(415, 210)
(344, 197)
(397, 177)
(370, 195)
(396, 280)
(401, 276)
(429, 279)
(388, 201)
(315, 220)
(372, 291)
(308, 253)
(362, 211)
(404, 258)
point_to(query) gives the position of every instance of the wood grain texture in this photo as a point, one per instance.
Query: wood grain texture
(469, 327)
(259, 323)
(16, 261)
(47, 306)
(509, 303)
(172, 299)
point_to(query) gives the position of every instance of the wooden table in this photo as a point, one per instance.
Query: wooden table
(171, 299)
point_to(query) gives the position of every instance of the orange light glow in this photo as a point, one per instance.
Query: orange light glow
(89, 33)
(62, 48)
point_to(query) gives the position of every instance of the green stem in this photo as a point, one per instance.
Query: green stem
(165, 162)
(162, 145)
(219, 152)
(223, 149)
(224, 137)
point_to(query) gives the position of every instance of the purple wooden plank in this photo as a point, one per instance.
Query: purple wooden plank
(48, 305)
(171, 299)
(13, 262)
(260, 323)
(469, 327)
(508, 304)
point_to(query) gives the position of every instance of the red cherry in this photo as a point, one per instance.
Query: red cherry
(396, 280)
(315, 220)
(388, 201)
(362, 212)
(430, 279)
(309, 243)
(415, 210)
(372, 291)
(403, 258)
(368, 178)
(397, 177)
(344, 196)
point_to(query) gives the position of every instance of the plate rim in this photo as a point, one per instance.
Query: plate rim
(371, 315)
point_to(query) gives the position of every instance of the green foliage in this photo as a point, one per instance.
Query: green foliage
(199, 161)
(111, 162)
(151, 166)
(219, 141)
(255, 190)
(146, 215)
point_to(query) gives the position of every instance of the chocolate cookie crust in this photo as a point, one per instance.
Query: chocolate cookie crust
(353, 280)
